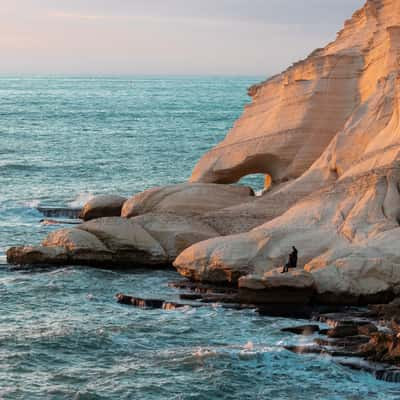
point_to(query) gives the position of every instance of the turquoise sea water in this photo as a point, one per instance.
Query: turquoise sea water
(62, 334)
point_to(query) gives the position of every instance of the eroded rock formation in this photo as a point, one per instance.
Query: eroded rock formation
(327, 131)
(154, 228)
(186, 199)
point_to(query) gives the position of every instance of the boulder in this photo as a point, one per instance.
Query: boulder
(74, 240)
(225, 265)
(28, 255)
(175, 233)
(383, 347)
(294, 287)
(81, 247)
(186, 199)
(102, 206)
(147, 240)
(66, 246)
(367, 329)
(343, 331)
(127, 239)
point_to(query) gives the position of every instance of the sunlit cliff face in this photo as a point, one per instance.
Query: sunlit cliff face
(327, 130)
(334, 106)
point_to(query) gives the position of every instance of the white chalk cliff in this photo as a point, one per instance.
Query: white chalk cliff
(327, 131)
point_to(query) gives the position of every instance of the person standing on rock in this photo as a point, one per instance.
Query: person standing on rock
(292, 263)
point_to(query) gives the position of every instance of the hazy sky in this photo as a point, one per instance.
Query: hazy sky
(243, 37)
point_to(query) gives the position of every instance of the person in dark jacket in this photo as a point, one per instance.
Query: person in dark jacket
(292, 263)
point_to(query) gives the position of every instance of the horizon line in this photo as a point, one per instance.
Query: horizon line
(127, 75)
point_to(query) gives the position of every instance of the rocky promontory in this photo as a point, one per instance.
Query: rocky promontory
(325, 133)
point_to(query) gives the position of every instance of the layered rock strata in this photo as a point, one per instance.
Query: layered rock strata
(326, 131)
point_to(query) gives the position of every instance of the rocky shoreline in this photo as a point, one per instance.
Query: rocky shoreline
(365, 339)
(325, 134)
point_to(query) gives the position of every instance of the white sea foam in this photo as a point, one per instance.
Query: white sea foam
(81, 199)
(204, 353)
(32, 203)
(249, 345)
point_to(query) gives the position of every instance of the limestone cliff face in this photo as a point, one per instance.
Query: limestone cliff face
(327, 130)
(343, 93)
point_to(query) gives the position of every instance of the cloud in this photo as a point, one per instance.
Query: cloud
(165, 36)
(263, 11)
(69, 15)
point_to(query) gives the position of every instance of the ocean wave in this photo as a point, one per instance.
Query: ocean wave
(35, 203)
(13, 166)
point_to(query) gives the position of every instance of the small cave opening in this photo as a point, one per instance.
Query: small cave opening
(260, 183)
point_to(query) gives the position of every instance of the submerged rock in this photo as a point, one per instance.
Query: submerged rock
(102, 206)
(149, 303)
(60, 212)
(342, 331)
(302, 329)
(286, 310)
(391, 375)
(383, 347)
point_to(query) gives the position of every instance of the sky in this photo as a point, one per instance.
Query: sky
(164, 37)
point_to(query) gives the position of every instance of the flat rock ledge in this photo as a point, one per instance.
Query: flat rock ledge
(275, 287)
(59, 256)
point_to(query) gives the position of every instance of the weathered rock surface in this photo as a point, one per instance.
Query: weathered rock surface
(102, 206)
(126, 237)
(148, 303)
(147, 240)
(326, 131)
(186, 199)
(293, 287)
(341, 97)
(383, 347)
(175, 233)
(30, 255)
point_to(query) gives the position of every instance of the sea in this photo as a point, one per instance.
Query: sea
(64, 140)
